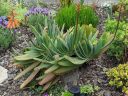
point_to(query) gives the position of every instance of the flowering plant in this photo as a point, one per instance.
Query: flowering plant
(3, 21)
(37, 10)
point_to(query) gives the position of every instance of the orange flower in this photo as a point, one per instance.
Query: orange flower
(12, 23)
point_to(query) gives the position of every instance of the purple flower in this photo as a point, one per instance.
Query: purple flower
(3, 21)
(45, 94)
(37, 10)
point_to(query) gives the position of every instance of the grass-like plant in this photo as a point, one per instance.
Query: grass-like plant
(67, 16)
(54, 52)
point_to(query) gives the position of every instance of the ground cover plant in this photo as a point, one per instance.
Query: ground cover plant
(119, 77)
(86, 90)
(119, 46)
(87, 16)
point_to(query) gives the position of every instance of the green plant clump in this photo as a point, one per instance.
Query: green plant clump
(5, 7)
(120, 44)
(67, 16)
(35, 20)
(119, 77)
(66, 2)
(86, 89)
(54, 52)
(6, 38)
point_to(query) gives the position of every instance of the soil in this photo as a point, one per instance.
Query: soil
(93, 72)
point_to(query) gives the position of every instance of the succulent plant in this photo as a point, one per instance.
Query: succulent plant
(119, 77)
(54, 52)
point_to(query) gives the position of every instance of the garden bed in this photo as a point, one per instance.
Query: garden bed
(93, 72)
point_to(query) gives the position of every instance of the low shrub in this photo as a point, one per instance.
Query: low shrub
(120, 44)
(118, 77)
(67, 16)
(6, 38)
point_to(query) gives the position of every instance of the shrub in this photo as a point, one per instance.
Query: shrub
(54, 52)
(119, 77)
(6, 38)
(5, 7)
(120, 44)
(67, 16)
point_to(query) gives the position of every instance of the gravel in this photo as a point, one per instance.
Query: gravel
(11, 87)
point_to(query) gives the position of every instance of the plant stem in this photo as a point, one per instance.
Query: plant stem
(117, 27)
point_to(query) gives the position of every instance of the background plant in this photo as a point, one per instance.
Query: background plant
(119, 77)
(66, 2)
(5, 7)
(120, 44)
(35, 16)
(67, 16)
(6, 38)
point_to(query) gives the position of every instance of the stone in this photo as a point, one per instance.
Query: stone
(3, 74)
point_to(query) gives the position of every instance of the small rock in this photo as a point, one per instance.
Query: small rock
(3, 74)
(107, 93)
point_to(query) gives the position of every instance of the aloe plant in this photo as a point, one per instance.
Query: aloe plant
(55, 52)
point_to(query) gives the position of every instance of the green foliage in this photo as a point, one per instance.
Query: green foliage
(120, 44)
(66, 2)
(58, 52)
(123, 1)
(35, 20)
(81, 2)
(86, 89)
(56, 90)
(119, 77)
(66, 93)
(67, 16)
(5, 7)
(20, 11)
(6, 38)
